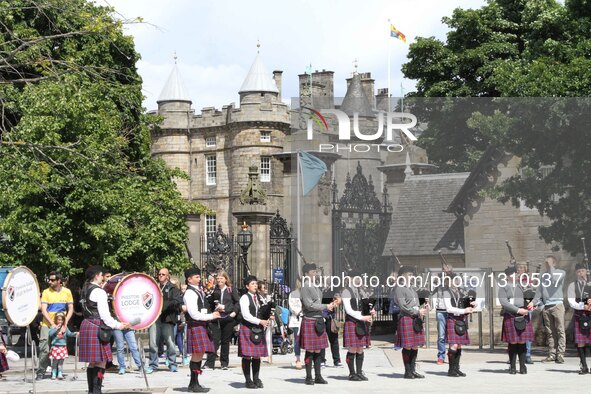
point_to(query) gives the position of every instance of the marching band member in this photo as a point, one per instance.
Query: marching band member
(356, 331)
(580, 300)
(198, 340)
(517, 326)
(96, 313)
(251, 343)
(313, 336)
(410, 334)
(457, 327)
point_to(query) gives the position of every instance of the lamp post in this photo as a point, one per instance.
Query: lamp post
(244, 239)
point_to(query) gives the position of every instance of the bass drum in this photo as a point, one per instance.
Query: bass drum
(20, 293)
(136, 298)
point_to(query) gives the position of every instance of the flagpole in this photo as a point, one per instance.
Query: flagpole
(401, 98)
(389, 54)
(298, 213)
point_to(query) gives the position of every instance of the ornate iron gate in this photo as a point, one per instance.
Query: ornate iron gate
(282, 251)
(220, 252)
(360, 224)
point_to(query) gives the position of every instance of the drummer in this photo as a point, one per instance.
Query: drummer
(96, 313)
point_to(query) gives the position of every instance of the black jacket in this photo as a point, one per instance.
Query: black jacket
(172, 300)
(231, 300)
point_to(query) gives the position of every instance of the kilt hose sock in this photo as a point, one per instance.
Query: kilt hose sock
(256, 367)
(195, 367)
(350, 359)
(583, 357)
(317, 365)
(90, 379)
(359, 362)
(246, 368)
(308, 362)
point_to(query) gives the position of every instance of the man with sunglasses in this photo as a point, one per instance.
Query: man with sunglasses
(172, 301)
(55, 299)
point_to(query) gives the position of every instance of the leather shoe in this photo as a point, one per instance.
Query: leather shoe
(199, 389)
(258, 383)
(354, 378)
(512, 371)
(320, 380)
(418, 375)
(250, 385)
(409, 375)
(310, 381)
(362, 376)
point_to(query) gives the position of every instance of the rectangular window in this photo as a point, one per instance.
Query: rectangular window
(265, 136)
(210, 142)
(210, 224)
(210, 170)
(265, 169)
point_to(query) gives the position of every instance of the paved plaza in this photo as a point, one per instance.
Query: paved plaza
(487, 371)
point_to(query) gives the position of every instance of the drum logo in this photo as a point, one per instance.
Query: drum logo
(147, 300)
(10, 292)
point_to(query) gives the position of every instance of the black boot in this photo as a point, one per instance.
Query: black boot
(522, 351)
(308, 361)
(458, 357)
(97, 382)
(583, 357)
(350, 359)
(359, 364)
(195, 372)
(90, 379)
(317, 369)
(451, 356)
(406, 359)
(256, 367)
(413, 364)
(512, 358)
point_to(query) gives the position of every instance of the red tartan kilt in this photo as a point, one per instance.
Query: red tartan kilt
(406, 337)
(3, 361)
(58, 352)
(309, 340)
(511, 335)
(90, 348)
(581, 336)
(246, 348)
(350, 337)
(453, 338)
(197, 339)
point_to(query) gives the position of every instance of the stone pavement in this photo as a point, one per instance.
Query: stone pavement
(487, 373)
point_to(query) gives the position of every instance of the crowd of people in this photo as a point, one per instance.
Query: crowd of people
(202, 320)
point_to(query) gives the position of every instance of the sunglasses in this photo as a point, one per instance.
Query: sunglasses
(161, 274)
(52, 279)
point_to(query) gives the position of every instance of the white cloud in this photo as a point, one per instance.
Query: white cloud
(215, 41)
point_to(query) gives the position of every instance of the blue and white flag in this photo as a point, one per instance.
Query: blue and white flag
(312, 169)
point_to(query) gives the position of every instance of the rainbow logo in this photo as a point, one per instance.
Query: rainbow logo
(317, 117)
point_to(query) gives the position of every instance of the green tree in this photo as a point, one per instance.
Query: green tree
(77, 183)
(516, 48)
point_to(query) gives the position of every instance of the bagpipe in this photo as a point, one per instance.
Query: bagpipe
(467, 299)
(587, 289)
(367, 305)
(266, 309)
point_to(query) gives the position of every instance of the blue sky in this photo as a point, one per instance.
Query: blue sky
(215, 41)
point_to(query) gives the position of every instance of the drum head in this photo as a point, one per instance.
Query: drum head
(137, 299)
(21, 297)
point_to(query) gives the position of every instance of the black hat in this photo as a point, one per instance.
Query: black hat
(308, 267)
(580, 266)
(405, 269)
(510, 270)
(192, 271)
(92, 271)
(250, 278)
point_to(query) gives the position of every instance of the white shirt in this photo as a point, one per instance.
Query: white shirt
(448, 306)
(190, 299)
(346, 297)
(245, 309)
(99, 296)
(572, 296)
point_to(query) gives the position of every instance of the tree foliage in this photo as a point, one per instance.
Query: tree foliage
(517, 48)
(77, 183)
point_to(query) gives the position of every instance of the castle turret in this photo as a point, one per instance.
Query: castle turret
(259, 85)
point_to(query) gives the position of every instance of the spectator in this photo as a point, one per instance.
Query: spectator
(59, 348)
(56, 298)
(295, 310)
(164, 326)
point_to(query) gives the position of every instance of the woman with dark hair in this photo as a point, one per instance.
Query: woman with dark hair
(251, 343)
(96, 312)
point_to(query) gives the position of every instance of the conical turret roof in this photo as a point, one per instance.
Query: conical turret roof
(174, 89)
(258, 79)
(355, 99)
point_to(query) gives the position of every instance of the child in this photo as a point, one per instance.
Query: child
(59, 350)
(3, 350)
